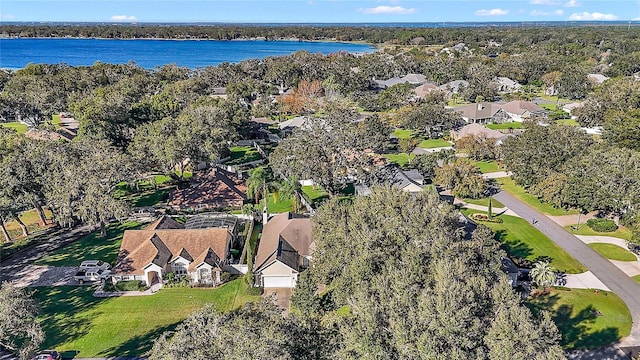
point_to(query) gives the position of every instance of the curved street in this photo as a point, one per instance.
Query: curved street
(615, 279)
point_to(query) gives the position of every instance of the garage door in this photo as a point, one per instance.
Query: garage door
(277, 281)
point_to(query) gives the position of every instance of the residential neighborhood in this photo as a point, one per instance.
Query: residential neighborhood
(422, 201)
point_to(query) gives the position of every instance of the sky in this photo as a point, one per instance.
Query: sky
(317, 11)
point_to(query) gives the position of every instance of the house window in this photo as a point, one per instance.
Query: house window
(180, 268)
(205, 274)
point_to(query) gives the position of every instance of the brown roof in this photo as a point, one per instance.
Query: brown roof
(284, 232)
(478, 130)
(165, 222)
(425, 89)
(520, 107)
(479, 110)
(140, 248)
(214, 189)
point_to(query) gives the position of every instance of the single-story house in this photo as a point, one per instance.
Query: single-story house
(477, 130)
(454, 86)
(414, 79)
(284, 251)
(219, 92)
(519, 110)
(482, 113)
(597, 79)
(507, 85)
(210, 189)
(423, 90)
(410, 181)
(166, 246)
(570, 107)
(512, 271)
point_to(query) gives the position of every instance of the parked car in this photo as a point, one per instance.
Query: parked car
(47, 355)
(91, 275)
(94, 264)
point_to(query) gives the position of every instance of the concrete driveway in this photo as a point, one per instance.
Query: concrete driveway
(36, 275)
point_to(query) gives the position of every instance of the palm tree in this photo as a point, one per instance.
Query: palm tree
(256, 182)
(543, 274)
(290, 188)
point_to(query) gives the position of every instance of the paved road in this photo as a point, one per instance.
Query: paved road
(616, 280)
(12, 266)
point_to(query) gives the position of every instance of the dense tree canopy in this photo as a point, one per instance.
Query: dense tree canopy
(19, 330)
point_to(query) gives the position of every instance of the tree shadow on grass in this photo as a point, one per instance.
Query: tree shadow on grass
(139, 345)
(575, 329)
(66, 312)
(515, 248)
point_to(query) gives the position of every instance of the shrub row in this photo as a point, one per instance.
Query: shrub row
(602, 225)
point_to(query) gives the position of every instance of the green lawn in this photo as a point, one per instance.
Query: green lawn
(433, 143)
(30, 218)
(253, 241)
(315, 193)
(484, 202)
(123, 326)
(636, 278)
(279, 204)
(547, 106)
(243, 154)
(519, 192)
(90, 247)
(401, 158)
(586, 320)
(147, 196)
(622, 232)
(403, 134)
(55, 120)
(505, 126)
(613, 252)
(488, 166)
(20, 128)
(567, 122)
(522, 240)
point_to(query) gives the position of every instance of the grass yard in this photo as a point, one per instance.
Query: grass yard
(636, 278)
(613, 252)
(147, 196)
(401, 158)
(403, 134)
(586, 320)
(489, 166)
(567, 122)
(279, 204)
(622, 232)
(547, 106)
(315, 194)
(519, 192)
(55, 120)
(522, 240)
(433, 143)
(123, 326)
(30, 219)
(484, 202)
(20, 128)
(243, 154)
(253, 241)
(505, 126)
(90, 247)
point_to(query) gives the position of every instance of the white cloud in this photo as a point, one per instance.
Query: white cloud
(123, 18)
(7, 17)
(492, 12)
(572, 3)
(545, 13)
(636, 19)
(382, 9)
(592, 16)
(544, 2)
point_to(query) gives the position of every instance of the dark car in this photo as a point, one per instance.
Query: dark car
(47, 355)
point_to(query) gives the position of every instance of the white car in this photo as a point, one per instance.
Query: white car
(94, 264)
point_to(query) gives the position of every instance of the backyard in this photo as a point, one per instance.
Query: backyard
(521, 240)
(489, 166)
(74, 321)
(586, 319)
(20, 128)
(434, 143)
(30, 219)
(243, 154)
(505, 126)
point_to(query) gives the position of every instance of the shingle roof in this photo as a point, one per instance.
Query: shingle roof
(478, 111)
(140, 248)
(477, 130)
(215, 189)
(295, 231)
(165, 222)
(520, 107)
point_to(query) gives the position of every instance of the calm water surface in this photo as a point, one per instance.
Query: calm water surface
(16, 53)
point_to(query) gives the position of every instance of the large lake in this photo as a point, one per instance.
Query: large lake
(16, 53)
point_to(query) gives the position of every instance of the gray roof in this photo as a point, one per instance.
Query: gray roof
(291, 123)
(454, 85)
(415, 176)
(414, 78)
(478, 111)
